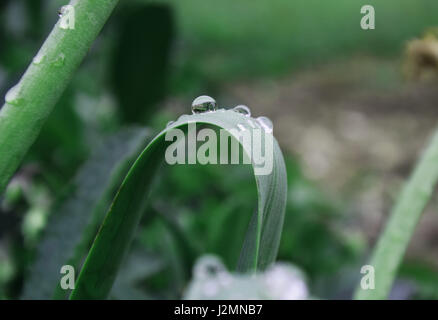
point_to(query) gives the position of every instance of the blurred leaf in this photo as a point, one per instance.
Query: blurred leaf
(424, 277)
(60, 147)
(186, 248)
(140, 65)
(391, 246)
(204, 200)
(74, 221)
(139, 266)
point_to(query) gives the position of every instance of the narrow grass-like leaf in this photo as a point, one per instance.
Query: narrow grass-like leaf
(407, 211)
(74, 222)
(112, 242)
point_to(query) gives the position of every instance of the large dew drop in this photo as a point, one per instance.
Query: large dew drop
(203, 104)
(266, 124)
(243, 110)
(13, 96)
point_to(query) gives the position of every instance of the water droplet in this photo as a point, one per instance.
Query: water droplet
(251, 124)
(182, 117)
(203, 104)
(13, 96)
(62, 11)
(243, 110)
(170, 123)
(38, 58)
(241, 127)
(266, 124)
(59, 61)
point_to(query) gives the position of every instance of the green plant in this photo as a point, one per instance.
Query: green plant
(407, 211)
(75, 218)
(110, 246)
(30, 102)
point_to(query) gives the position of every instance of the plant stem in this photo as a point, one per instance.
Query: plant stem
(30, 102)
(392, 243)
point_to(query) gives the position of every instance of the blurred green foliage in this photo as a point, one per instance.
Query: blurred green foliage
(152, 50)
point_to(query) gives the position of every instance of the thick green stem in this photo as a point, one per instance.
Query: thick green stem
(29, 103)
(393, 242)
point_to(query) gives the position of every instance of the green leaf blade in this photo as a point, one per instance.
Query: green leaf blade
(110, 246)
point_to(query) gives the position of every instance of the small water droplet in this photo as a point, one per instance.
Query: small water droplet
(170, 123)
(243, 110)
(182, 117)
(38, 58)
(203, 104)
(241, 127)
(59, 61)
(266, 124)
(63, 10)
(13, 96)
(251, 123)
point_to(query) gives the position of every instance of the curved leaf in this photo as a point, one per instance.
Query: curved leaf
(110, 246)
